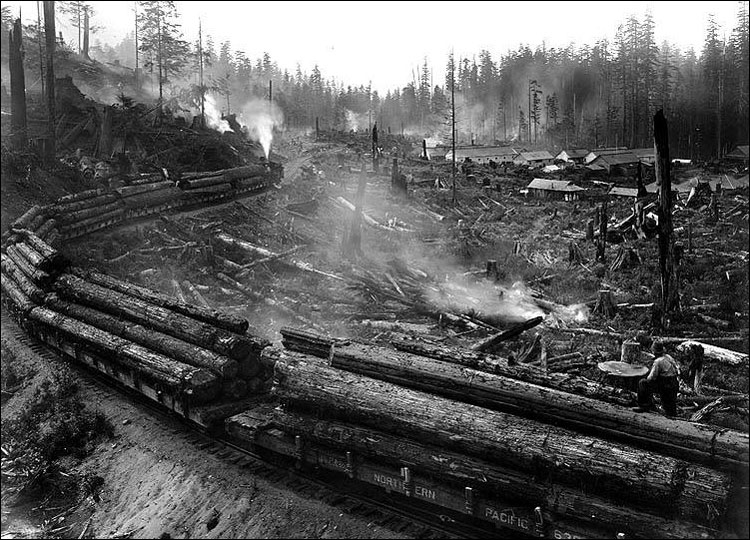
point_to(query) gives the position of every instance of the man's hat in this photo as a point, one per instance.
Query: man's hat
(657, 348)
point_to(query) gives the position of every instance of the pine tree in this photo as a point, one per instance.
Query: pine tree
(161, 38)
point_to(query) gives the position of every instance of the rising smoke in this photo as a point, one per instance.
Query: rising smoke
(261, 118)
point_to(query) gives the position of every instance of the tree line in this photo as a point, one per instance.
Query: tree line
(587, 96)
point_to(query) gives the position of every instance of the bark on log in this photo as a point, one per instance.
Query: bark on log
(234, 389)
(179, 350)
(255, 250)
(671, 437)
(39, 277)
(22, 280)
(80, 196)
(499, 366)
(224, 187)
(25, 220)
(116, 215)
(492, 342)
(36, 223)
(198, 383)
(508, 484)
(213, 317)
(46, 228)
(231, 174)
(104, 146)
(153, 198)
(87, 213)
(598, 466)
(718, 354)
(21, 303)
(177, 325)
(53, 259)
(130, 191)
(61, 209)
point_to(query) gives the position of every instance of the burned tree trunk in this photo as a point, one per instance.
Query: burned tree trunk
(180, 326)
(601, 241)
(17, 86)
(602, 467)
(669, 285)
(353, 240)
(493, 341)
(210, 316)
(49, 37)
(104, 147)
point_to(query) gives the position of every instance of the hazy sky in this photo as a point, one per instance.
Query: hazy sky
(385, 42)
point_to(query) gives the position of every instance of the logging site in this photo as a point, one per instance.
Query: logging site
(265, 275)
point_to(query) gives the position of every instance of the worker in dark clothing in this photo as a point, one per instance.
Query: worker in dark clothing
(663, 378)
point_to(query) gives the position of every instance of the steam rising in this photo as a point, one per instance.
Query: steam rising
(213, 116)
(260, 118)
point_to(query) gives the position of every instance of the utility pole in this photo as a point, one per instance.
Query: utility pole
(49, 35)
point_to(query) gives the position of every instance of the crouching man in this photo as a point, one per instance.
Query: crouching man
(663, 378)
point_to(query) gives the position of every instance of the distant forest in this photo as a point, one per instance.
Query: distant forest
(579, 96)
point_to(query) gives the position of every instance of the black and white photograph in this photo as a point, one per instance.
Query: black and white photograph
(374, 270)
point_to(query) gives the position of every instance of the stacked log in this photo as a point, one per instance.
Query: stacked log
(235, 346)
(216, 318)
(629, 476)
(318, 345)
(199, 384)
(676, 438)
(486, 477)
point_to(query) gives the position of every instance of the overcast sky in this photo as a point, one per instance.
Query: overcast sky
(385, 42)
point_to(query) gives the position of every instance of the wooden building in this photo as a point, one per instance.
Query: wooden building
(484, 154)
(537, 158)
(576, 155)
(554, 189)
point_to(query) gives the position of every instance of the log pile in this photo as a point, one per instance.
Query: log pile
(396, 409)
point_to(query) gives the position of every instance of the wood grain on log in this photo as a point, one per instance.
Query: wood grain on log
(198, 383)
(159, 318)
(216, 318)
(39, 277)
(167, 345)
(555, 454)
(21, 280)
(21, 303)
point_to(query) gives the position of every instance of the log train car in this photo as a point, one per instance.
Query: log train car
(458, 432)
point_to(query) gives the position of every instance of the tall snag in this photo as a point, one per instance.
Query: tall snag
(670, 301)
(17, 86)
(49, 36)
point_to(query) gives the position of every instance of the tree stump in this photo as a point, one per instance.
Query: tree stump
(605, 305)
(590, 230)
(631, 352)
(491, 269)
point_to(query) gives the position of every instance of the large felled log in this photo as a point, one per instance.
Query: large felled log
(45, 229)
(558, 455)
(165, 344)
(230, 174)
(36, 275)
(153, 198)
(52, 259)
(86, 213)
(118, 214)
(216, 318)
(491, 479)
(25, 220)
(718, 354)
(130, 191)
(223, 187)
(21, 303)
(81, 196)
(262, 252)
(164, 320)
(198, 383)
(671, 437)
(22, 280)
(98, 197)
(492, 342)
(499, 366)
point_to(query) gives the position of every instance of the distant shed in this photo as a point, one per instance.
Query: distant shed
(537, 158)
(576, 155)
(483, 154)
(555, 189)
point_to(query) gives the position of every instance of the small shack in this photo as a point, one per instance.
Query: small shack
(537, 158)
(621, 163)
(576, 155)
(554, 189)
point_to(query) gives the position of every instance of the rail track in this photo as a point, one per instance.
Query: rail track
(398, 513)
